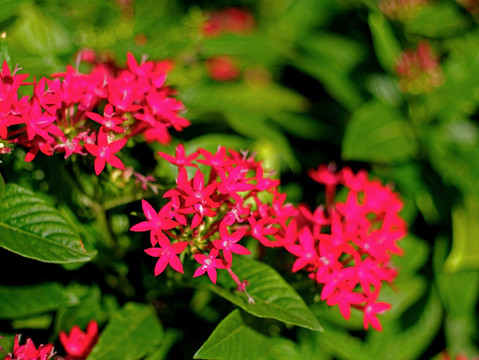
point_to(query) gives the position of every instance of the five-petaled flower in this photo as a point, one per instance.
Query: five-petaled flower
(78, 344)
(105, 152)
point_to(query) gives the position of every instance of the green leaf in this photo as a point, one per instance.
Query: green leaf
(170, 337)
(409, 343)
(234, 339)
(377, 133)
(38, 33)
(130, 334)
(459, 292)
(386, 45)
(416, 253)
(273, 297)
(21, 301)
(465, 237)
(32, 228)
(340, 344)
(2, 186)
(329, 59)
(438, 20)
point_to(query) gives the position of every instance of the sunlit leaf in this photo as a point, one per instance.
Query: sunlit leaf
(273, 297)
(32, 228)
(234, 339)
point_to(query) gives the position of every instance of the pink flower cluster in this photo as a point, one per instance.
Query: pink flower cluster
(29, 351)
(346, 246)
(228, 198)
(93, 113)
(419, 70)
(77, 344)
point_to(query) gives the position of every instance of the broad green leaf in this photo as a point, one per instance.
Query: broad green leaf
(377, 133)
(465, 237)
(262, 100)
(32, 228)
(131, 333)
(233, 339)
(21, 301)
(438, 20)
(273, 297)
(386, 45)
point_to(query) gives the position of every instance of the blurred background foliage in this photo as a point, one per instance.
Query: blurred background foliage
(391, 86)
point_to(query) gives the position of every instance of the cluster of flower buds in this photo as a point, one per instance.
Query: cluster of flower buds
(419, 70)
(402, 10)
(77, 345)
(94, 113)
(346, 246)
(232, 20)
(228, 198)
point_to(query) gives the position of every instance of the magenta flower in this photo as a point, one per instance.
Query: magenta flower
(209, 264)
(108, 120)
(167, 254)
(228, 243)
(156, 222)
(29, 351)
(105, 151)
(78, 344)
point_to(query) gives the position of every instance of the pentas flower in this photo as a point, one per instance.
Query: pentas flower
(105, 151)
(419, 70)
(214, 210)
(82, 114)
(347, 245)
(29, 351)
(78, 344)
